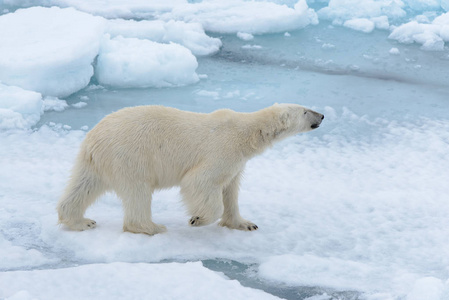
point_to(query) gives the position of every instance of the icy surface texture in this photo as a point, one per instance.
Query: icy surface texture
(49, 50)
(341, 10)
(57, 58)
(19, 108)
(431, 36)
(354, 210)
(124, 280)
(251, 17)
(190, 35)
(131, 62)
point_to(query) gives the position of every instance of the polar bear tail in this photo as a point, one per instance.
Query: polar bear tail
(83, 189)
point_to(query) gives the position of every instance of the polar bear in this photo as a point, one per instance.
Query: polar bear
(138, 150)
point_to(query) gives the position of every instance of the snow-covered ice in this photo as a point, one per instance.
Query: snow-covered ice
(190, 35)
(253, 17)
(354, 210)
(361, 24)
(126, 281)
(131, 62)
(431, 36)
(53, 58)
(245, 36)
(19, 108)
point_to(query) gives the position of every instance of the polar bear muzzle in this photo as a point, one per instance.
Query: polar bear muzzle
(315, 118)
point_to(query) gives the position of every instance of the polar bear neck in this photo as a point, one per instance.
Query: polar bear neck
(263, 128)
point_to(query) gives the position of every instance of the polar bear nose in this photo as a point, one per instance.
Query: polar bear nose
(319, 118)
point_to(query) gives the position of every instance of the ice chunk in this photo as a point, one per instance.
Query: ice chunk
(445, 4)
(342, 10)
(328, 46)
(430, 288)
(245, 36)
(190, 35)
(442, 19)
(211, 94)
(130, 281)
(109, 9)
(245, 16)
(53, 103)
(51, 57)
(19, 257)
(361, 24)
(131, 62)
(423, 5)
(381, 22)
(431, 36)
(394, 51)
(311, 270)
(251, 47)
(80, 104)
(429, 40)
(19, 108)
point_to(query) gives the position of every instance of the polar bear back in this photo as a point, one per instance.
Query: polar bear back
(159, 144)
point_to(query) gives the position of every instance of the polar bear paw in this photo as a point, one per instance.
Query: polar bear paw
(240, 225)
(83, 224)
(197, 221)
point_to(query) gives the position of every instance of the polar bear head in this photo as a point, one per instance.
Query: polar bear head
(294, 118)
(280, 121)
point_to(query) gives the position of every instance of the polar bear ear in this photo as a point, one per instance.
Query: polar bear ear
(285, 119)
(283, 124)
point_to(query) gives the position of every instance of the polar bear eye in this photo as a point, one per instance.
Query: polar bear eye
(305, 112)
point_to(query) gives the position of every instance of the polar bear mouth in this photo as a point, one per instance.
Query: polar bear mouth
(315, 126)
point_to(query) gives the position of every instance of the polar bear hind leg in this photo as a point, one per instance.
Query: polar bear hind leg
(83, 189)
(136, 200)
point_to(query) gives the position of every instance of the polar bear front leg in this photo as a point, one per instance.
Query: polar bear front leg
(231, 216)
(137, 211)
(203, 199)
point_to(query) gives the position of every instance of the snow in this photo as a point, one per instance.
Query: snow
(80, 104)
(55, 104)
(430, 288)
(370, 228)
(445, 4)
(423, 5)
(37, 55)
(251, 47)
(114, 9)
(354, 210)
(361, 24)
(431, 36)
(342, 10)
(19, 108)
(125, 281)
(190, 35)
(245, 36)
(131, 62)
(394, 51)
(254, 17)
(19, 257)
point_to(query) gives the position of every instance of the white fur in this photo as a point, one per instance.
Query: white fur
(141, 149)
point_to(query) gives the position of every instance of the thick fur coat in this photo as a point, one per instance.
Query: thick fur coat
(138, 150)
